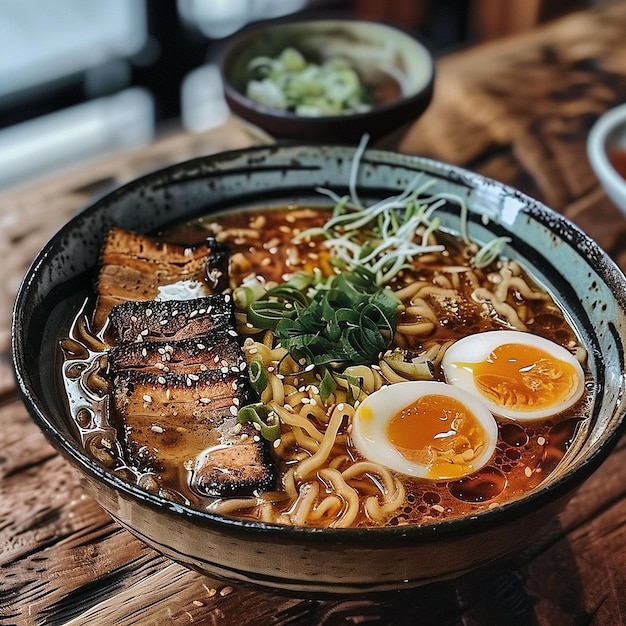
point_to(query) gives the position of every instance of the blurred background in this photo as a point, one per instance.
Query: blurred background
(79, 80)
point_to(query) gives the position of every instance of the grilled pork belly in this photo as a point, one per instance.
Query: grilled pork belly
(178, 373)
(134, 267)
(170, 421)
(214, 351)
(169, 320)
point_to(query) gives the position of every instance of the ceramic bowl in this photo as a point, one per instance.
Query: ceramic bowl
(585, 282)
(376, 51)
(606, 140)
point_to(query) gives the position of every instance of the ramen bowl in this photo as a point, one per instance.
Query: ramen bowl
(305, 560)
(395, 70)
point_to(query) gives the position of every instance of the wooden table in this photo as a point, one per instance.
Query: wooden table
(518, 110)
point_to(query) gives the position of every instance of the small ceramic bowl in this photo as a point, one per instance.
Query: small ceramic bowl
(606, 150)
(380, 54)
(583, 280)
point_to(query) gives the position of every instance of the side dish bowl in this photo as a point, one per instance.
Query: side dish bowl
(585, 282)
(606, 147)
(379, 54)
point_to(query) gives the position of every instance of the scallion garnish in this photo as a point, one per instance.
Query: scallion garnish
(346, 318)
(262, 418)
(392, 224)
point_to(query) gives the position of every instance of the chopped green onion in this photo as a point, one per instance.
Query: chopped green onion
(289, 82)
(250, 290)
(327, 386)
(490, 252)
(258, 376)
(347, 318)
(263, 418)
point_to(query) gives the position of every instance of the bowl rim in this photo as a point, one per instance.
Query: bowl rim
(233, 45)
(385, 535)
(597, 145)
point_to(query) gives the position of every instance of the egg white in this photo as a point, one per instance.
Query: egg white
(369, 433)
(476, 348)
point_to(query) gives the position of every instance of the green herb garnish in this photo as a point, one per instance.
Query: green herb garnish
(290, 82)
(262, 418)
(392, 226)
(346, 319)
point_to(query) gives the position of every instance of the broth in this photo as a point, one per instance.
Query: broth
(262, 244)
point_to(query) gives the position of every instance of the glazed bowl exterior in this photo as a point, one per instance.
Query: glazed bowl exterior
(609, 132)
(372, 49)
(586, 283)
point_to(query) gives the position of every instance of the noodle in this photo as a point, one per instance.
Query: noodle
(347, 494)
(308, 466)
(506, 311)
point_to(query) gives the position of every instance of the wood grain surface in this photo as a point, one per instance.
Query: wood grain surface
(518, 110)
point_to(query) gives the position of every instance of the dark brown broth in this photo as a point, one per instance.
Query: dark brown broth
(526, 452)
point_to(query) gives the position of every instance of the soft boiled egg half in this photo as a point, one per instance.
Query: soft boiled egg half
(425, 429)
(518, 375)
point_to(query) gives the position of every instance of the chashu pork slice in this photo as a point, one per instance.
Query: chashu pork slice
(135, 267)
(170, 320)
(171, 423)
(217, 350)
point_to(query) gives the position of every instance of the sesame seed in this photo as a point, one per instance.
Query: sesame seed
(147, 398)
(148, 312)
(205, 400)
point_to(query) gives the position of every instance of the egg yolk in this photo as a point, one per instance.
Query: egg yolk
(524, 378)
(438, 432)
